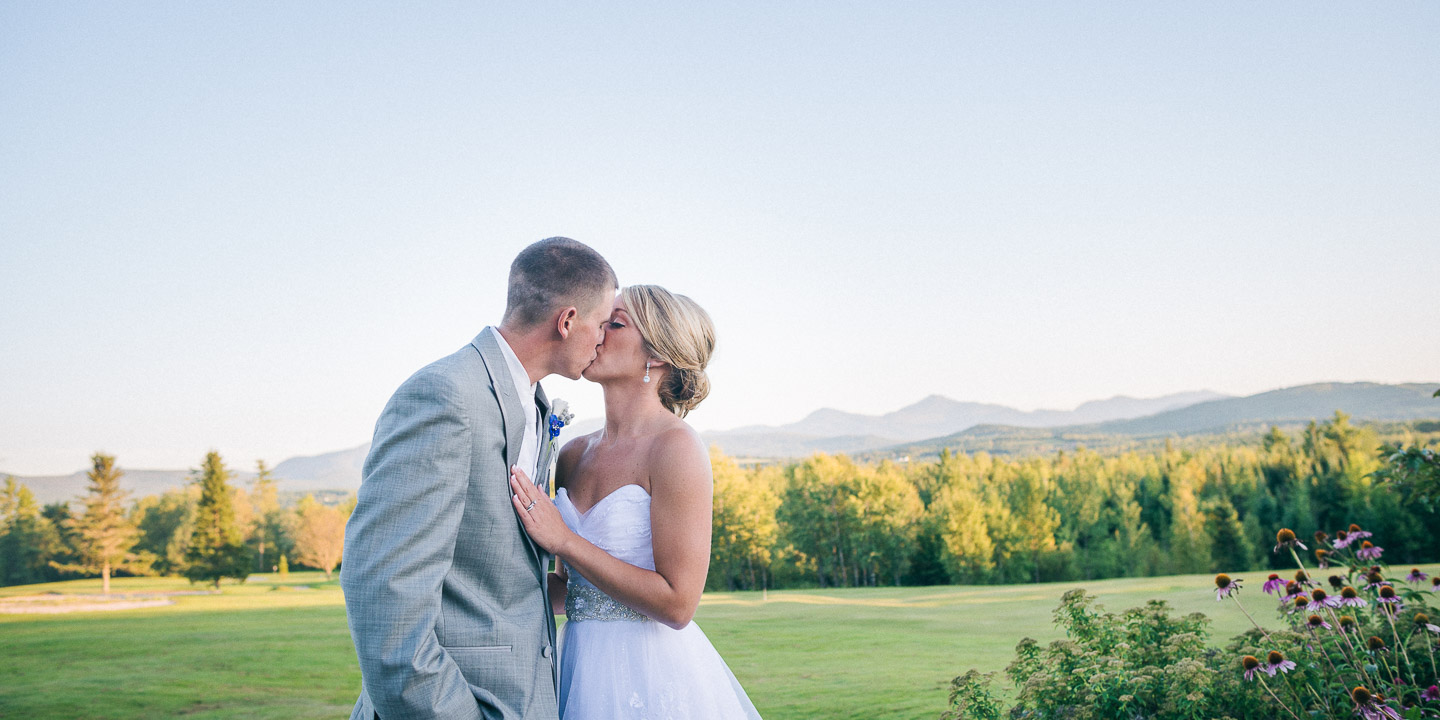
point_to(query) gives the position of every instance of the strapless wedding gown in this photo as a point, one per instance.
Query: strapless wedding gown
(617, 664)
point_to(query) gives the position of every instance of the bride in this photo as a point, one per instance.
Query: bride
(630, 525)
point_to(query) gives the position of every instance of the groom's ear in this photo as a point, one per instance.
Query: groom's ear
(565, 321)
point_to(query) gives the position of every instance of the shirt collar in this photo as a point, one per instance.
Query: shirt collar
(518, 375)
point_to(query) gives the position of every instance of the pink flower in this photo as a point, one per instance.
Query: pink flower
(1347, 537)
(1224, 586)
(1372, 707)
(1273, 585)
(1388, 596)
(1286, 539)
(1349, 597)
(1251, 665)
(1369, 551)
(1415, 576)
(1277, 663)
(1430, 694)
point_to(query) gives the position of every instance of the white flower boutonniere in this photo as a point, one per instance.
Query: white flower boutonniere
(560, 416)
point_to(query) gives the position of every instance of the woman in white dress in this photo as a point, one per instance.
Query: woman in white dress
(630, 524)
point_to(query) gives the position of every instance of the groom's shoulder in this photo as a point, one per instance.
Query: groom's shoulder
(453, 374)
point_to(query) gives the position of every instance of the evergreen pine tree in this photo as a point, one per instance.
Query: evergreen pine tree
(217, 549)
(101, 537)
(28, 542)
(268, 520)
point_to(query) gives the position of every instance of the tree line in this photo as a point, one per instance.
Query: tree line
(207, 531)
(828, 521)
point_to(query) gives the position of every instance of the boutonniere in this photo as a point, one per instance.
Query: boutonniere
(560, 416)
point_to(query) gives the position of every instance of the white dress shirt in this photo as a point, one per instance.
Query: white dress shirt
(530, 446)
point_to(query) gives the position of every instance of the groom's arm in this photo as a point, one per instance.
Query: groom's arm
(399, 544)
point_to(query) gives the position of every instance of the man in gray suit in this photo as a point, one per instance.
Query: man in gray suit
(445, 593)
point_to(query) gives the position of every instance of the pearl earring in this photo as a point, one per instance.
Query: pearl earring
(647, 373)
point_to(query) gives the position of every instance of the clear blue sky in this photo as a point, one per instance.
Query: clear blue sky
(241, 225)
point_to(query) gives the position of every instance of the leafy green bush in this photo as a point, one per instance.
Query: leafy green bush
(1361, 642)
(1143, 662)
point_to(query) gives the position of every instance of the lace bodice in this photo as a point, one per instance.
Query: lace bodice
(620, 525)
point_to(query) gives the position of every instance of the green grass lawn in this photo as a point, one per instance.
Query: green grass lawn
(279, 648)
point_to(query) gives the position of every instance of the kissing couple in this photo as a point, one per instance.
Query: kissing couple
(449, 590)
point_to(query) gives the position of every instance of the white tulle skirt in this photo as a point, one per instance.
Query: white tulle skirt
(643, 670)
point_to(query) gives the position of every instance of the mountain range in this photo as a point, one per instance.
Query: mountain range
(916, 430)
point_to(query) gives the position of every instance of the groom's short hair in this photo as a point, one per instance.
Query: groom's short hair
(554, 273)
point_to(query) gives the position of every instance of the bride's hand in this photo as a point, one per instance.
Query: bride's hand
(540, 516)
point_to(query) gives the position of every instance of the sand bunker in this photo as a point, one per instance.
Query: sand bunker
(55, 603)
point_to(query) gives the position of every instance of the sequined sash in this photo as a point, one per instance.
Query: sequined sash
(587, 602)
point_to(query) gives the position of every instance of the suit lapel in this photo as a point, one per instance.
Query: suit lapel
(547, 446)
(511, 409)
(513, 413)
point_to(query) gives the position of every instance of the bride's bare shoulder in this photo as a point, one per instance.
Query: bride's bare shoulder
(679, 454)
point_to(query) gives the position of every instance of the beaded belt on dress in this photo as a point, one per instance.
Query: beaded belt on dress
(586, 602)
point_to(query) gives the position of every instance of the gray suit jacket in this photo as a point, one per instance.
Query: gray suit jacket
(444, 591)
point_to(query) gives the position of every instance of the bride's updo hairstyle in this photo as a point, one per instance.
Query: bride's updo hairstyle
(678, 332)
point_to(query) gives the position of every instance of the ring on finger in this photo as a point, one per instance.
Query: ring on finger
(530, 507)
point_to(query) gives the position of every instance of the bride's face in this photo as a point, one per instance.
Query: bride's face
(622, 356)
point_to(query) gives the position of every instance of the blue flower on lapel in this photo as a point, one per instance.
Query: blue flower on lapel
(560, 416)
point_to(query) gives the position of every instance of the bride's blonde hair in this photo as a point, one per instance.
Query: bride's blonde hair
(679, 332)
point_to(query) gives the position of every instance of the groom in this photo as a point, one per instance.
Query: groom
(444, 591)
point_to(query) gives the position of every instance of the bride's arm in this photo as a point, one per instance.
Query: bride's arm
(680, 487)
(558, 580)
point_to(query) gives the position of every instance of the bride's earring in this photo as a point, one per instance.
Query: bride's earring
(647, 372)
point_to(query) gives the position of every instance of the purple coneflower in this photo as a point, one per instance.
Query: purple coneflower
(1272, 584)
(1375, 644)
(1321, 537)
(1430, 694)
(1303, 578)
(1435, 584)
(1292, 591)
(1286, 539)
(1372, 707)
(1342, 539)
(1423, 621)
(1322, 556)
(1356, 533)
(1373, 579)
(1337, 582)
(1251, 665)
(1224, 586)
(1415, 576)
(1316, 622)
(1369, 551)
(1387, 596)
(1323, 599)
(1350, 597)
(1302, 604)
(1277, 663)
(1348, 624)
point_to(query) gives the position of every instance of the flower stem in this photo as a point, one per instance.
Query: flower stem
(1354, 655)
(1389, 616)
(1325, 653)
(1295, 555)
(1236, 597)
(1277, 697)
